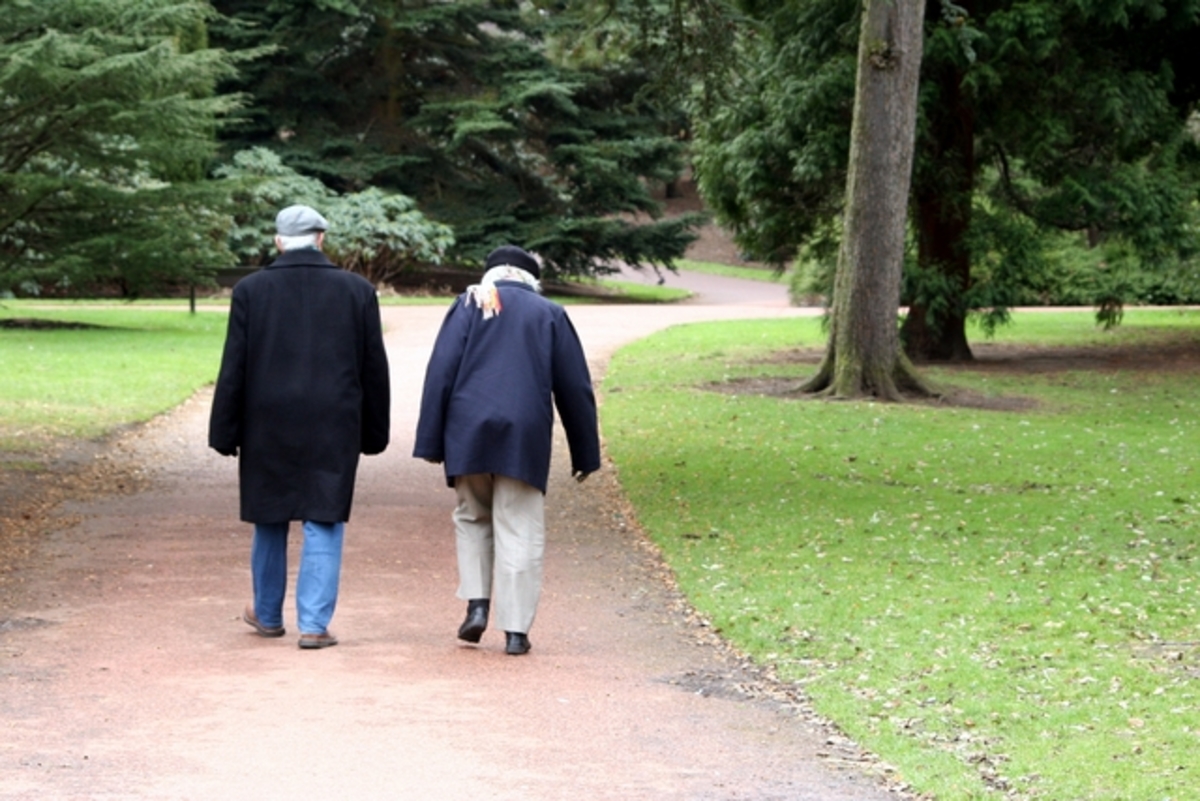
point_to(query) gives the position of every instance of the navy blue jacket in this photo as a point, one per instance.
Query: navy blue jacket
(303, 388)
(487, 407)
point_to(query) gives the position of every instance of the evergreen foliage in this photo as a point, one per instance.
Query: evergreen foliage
(374, 233)
(107, 118)
(682, 45)
(458, 106)
(1036, 117)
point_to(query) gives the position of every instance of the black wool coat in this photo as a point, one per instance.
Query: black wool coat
(303, 388)
(492, 385)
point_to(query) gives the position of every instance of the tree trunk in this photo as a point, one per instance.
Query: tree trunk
(943, 217)
(941, 226)
(864, 355)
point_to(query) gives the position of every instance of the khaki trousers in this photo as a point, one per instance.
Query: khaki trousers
(500, 534)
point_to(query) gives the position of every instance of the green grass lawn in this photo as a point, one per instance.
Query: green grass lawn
(993, 601)
(85, 382)
(632, 292)
(731, 271)
(135, 361)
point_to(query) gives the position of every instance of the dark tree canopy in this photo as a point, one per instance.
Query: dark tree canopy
(458, 106)
(107, 127)
(1034, 116)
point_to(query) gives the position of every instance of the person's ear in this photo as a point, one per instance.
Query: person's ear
(278, 244)
(320, 240)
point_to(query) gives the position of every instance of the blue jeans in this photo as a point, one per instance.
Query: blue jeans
(316, 584)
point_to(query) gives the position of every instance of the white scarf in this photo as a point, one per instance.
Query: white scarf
(484, 294)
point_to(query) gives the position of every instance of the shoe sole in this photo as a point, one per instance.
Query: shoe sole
(471, 633)
(262, 630)
(315, 644)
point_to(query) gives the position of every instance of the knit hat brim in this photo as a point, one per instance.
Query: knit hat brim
(515, 257)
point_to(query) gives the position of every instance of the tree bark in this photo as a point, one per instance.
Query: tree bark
(942, 204)
(864, 355)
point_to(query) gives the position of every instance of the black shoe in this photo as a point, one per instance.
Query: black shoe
(477, 618)
(518, 643)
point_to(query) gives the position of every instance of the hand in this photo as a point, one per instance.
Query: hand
(433, 461)
(228, 451)
(580, 476)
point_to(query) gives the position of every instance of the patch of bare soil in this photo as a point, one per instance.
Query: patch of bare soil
(1177, 355)
(33, 485)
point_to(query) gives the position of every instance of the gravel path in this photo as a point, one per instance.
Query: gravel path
(126, 673)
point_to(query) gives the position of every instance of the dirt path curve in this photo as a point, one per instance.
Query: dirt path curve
(125, 672)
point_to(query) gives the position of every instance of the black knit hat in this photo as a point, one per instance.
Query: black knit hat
(514, 257)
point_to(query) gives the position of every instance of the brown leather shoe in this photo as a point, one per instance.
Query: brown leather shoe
(263, 631)
(322, 640)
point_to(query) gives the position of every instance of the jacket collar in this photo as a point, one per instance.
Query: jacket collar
(301, 257)
(519, 284)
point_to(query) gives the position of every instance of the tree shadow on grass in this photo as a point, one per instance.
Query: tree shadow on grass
(32, 323)
(1176, 354)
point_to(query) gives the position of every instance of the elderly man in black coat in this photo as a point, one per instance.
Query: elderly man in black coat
(502, 354)
(302, 391)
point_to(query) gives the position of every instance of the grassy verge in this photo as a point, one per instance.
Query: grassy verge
(134, 360)
(612, 292)
(995, 602)
(731, 271)
(129, 365)
(181, 304)
(629, 292)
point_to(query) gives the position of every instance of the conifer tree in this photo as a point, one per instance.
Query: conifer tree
(107, 122)
(458, 106)
(1035, 116)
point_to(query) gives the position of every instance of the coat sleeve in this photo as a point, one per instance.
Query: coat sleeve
(574, 398)
(228, 407)
(376, 383)
(440, 376)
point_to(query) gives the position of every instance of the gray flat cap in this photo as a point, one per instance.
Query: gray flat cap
(300, 220)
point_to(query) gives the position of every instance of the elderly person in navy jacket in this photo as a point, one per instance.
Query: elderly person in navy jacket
(303, 390)
(503, 353)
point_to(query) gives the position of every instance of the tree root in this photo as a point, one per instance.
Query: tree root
(895, 383)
